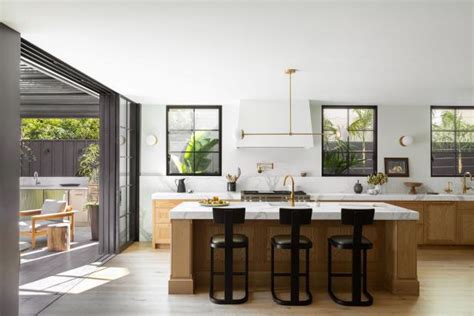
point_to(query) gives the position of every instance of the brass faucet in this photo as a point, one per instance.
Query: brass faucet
(464, 182)
(292, 194)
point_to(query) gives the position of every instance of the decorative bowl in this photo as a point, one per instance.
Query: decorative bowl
(413, 186)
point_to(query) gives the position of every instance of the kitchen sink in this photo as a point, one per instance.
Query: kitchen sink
(287, 204)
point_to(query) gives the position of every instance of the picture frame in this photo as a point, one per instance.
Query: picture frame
(397, 167)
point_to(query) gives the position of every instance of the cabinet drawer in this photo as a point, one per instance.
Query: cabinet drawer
(166, 203)
(162, 215)
(162, 233)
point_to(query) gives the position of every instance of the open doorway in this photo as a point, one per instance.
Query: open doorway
(59, 185)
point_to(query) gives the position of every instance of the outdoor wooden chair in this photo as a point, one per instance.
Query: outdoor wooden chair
(52, 212)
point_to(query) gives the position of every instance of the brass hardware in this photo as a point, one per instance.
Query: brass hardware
(292, 194)
(465, 188)
(289, 72)
(262, 166)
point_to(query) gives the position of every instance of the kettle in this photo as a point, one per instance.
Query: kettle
(180, 186)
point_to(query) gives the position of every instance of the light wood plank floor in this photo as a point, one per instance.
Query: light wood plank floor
(137, 285)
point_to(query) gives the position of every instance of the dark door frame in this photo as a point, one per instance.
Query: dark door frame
(9, 168)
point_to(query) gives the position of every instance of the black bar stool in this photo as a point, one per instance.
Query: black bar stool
(358, 243)
(294, 242)
(228, 241)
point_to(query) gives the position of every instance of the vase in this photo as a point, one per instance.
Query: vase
(231, 186)
(358, 188)
(380, 188)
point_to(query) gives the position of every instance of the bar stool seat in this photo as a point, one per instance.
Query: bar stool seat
(346, 242)
(284, 242)
(238, 240)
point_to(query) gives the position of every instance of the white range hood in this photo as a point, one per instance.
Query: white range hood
(273, 116)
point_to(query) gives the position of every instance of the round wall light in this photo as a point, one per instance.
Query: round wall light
(151, 140)
(406, 141)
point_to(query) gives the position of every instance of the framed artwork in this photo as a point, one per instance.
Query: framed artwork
(397, 167)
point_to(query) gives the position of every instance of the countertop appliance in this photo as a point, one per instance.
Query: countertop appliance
(269, 196)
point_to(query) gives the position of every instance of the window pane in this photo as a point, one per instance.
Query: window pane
(465, 141)
(465, 120)
(181, 163)
(442, 119)
(361, 119)
(465, 162)
(180, 141)
(335, 163)
(442, 141)
(443, 164)
(206, 141)
(179, 119)
(361, 141)
(207, 119)
(335, 118)
(207, 163)
(361, 163)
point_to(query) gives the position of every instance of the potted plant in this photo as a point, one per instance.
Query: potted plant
(377, 180)
(89, 164)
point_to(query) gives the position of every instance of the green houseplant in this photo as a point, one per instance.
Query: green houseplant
(196, 156)
(89, 165)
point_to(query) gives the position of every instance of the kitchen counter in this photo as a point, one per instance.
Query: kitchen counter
(392, 262)
(270, 211)
(195, 195)
(51, 187)
(390, 197)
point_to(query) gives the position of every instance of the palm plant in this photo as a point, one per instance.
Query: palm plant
(195, 159)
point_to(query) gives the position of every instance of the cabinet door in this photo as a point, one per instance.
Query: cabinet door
(59, 195)
(31, 199)
(78, 199)
(440, 223)
(466, 223)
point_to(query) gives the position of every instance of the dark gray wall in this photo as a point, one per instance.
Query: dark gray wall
(54, 158)
(9, 168)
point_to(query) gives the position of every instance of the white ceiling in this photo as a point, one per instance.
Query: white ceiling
(156, 52)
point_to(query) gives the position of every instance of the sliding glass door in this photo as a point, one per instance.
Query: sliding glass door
(128, 171)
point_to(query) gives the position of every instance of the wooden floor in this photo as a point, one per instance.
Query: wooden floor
(135, 283)
(43, 273)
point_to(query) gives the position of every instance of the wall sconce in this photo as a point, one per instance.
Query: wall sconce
(406, 141)
(151, 140)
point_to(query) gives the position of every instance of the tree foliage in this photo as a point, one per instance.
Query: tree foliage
(89, 163)
(57, 129)
(195, 159)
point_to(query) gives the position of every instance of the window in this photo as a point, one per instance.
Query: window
(356, 153)
(194, 140)
(452, 141)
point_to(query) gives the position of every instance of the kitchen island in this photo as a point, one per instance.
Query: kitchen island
(392, 262)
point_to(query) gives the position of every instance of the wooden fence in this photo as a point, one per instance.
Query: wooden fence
(53, 158)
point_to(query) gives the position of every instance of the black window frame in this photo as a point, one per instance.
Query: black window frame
(445, 107)
(194, 107)
(375, 131)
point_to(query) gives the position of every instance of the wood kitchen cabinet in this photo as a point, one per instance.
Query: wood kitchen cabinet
(465, 223)
(161, 222)
(419, 207)
(440, 223)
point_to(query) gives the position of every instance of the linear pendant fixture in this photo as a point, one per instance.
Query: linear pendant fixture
(242, 134)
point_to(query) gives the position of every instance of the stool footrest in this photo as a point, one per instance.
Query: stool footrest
(233, 273)
(288, 274)
(343, 274)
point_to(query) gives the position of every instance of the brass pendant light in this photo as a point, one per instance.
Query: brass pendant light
(290, 132)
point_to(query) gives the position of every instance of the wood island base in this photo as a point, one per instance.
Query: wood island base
(392, 263)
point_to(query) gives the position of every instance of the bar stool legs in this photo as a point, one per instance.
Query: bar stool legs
(357, 277)
(228, 278)
(294, 275)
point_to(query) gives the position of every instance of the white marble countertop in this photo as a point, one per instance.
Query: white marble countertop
(321, 196)
(270, 211)
(195, 195)
(390, 197)
(51, 187)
